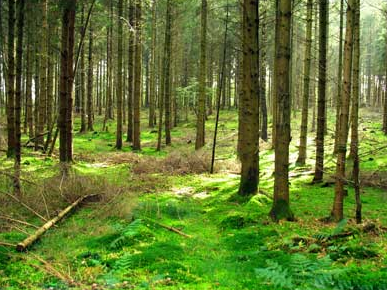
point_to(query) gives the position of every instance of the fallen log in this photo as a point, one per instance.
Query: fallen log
(7, 244)
(22, 246)
(171, 229)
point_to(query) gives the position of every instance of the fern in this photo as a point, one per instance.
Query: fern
(336, 231)
(301, 273)
(127, 235)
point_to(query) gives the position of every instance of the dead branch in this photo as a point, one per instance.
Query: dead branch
(172, 229)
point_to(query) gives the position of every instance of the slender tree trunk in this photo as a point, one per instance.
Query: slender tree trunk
(119, 77)
(249, 100)
(137, 79)
(339, 75)
(90, 110)
(83, 76)
(321, 105)
(338, 205)
(18, 94)
(152, 94)
(385, 97)
(263, 74)
(167, 72)
(11, 80)
(201, 108)
(305, 100)
(29, 112)
(129, 136)
(42, 115)
(281, 207)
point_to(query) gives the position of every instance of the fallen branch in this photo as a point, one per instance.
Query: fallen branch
(7, 244)
(17, 221)
(21, 247)
(25, 205)
(172, 229)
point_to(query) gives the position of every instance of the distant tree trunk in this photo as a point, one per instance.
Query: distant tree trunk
(129, 136)
(249, 100)
(305, 100)
(281, 208)
(18, 94)
(42, 116)
(29, 112)
(137, 79)
(313, 72)
(83, 75)
(119, 77)
(50, 84)
(263, 74)
(152, 84)
(90, 110)
(167, 71)
(321, 106)
(338, 205)
(11, 80)
(201, 106)
(339, 75)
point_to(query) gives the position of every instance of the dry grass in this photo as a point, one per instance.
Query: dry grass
(176, 163)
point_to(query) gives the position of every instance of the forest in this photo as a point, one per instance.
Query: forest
(193, 144)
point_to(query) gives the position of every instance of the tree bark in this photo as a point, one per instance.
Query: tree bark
(338, 205)
(306, 93)
(249, 100)
(119, 77)
(201, 106)
(321, 104)
(281, 208)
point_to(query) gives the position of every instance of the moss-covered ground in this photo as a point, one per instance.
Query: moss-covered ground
(120, 242)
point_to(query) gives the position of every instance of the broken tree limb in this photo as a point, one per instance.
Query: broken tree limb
(171, 229)
(7, 244)
(22, 246)
(17, 221)
(25, 205)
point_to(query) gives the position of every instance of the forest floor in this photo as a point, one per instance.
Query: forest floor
(119, 242)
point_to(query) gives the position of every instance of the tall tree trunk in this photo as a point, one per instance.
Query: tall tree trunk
(29, 63)
(42, 116)
(137, 79)
(152, 94)
(249, 100)
(90, 110)
(339, 74)
(321, 104)
(167, 72)
(263, 74)
(18, 94)
(83, 75)
(129, 136)
(281, 207)
(11, 80)
(305, 100)
(119, 77)
(201, 106)
(66, 81)
(338, 205)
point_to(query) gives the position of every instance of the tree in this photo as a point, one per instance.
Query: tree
(90, 83)
(83, 75)
(263, 73)
(137, 78)
(201, 105)
(305, 100)
(339, 73)
(18, 94)
(66, 81)
(281, 208)
(42, 114)
(338, 204)
(119, 77)
(321, 103)
(129, 135)
(167, 73)
(11, 80)
(249, 100)
(152, 65)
